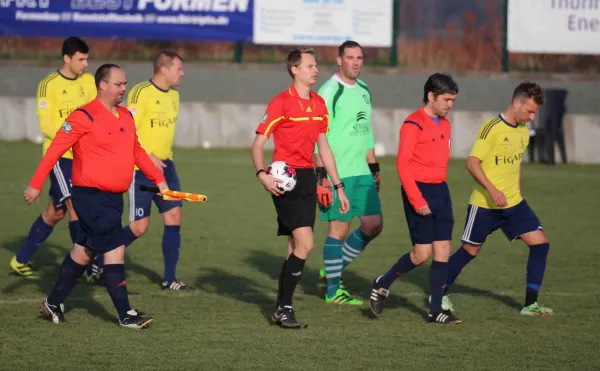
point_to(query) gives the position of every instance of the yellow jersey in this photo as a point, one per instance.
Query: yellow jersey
(57, 97)
(500, 147)
(155, 112)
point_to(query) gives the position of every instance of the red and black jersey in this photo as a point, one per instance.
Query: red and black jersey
(105, 150)
(423, 153)
(295, 124)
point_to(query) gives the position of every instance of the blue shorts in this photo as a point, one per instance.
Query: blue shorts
(140, 202)
(60, 182)
(100, 215)
(436, 226)
(513, 221)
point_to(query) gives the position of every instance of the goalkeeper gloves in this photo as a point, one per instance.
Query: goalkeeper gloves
(324, 189)
(375, 172)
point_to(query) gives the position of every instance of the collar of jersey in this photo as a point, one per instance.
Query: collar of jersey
(294, 93)
(338, 79)
(65, 77)
(506, 122)
(159, 89)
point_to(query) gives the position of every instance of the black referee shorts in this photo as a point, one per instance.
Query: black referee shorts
(100, 216)
(297, 208)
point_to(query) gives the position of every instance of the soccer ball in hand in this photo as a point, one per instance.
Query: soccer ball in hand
(285, 173)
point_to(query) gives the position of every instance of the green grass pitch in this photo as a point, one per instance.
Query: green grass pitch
(231, 255)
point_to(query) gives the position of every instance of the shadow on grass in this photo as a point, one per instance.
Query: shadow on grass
(420, 277)
(359, 286)
(47, 260)
(217, 281)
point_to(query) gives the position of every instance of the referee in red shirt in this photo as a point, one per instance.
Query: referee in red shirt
(422, 164)
(105, 150)
(297, 118)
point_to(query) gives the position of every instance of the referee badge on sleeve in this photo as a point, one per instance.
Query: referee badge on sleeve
(66, 127)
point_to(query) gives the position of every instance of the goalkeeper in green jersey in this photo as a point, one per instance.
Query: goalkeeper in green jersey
(351, 139)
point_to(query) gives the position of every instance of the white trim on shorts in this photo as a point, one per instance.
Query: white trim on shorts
(466, 237)
(132, 199)
(62, 182)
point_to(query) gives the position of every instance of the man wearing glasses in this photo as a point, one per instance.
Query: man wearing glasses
(105, 150)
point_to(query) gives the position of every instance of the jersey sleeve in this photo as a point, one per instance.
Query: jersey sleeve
(409, 136)
(371, 140)
(273, 116)
(44, 109)
(74, 127)
(483, 143)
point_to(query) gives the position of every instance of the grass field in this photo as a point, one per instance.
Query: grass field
(231, 256)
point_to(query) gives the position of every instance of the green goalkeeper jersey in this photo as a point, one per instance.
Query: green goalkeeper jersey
(350, 134)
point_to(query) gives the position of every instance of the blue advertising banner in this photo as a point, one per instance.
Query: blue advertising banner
(216, 20)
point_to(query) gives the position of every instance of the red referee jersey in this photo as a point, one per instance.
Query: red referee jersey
(423, 153)
(295, 123)
(105, 150)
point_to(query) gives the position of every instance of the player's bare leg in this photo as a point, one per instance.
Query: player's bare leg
(52, 215)
(140, 227)
(170, 248)
(301, 247)
(536, 266)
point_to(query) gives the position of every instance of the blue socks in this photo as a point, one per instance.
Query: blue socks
(402, 266)
(171, 244)
(355, 243)
(536, 265)
(437, 280)
(38, 233)
(332, 257)
(68, 275)
(116, 285)
(457, 262)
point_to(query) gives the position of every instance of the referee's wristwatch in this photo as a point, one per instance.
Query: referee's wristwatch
(338, 186)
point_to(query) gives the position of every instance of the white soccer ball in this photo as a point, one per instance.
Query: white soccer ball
(285, 173)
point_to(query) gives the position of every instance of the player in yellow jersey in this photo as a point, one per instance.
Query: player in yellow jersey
(58, 94)
(497, 201)
(154, 105)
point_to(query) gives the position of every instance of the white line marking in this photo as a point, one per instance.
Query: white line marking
(197, 292)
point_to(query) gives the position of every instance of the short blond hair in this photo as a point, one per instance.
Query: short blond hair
(294, 57)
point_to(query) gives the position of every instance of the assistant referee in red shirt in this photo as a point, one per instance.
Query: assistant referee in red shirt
(105, 150)
(297, 118)
(422, 164)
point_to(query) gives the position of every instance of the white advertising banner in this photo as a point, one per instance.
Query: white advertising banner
(554, 26)
(323, 22)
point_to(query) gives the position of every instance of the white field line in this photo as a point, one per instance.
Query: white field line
(198, 293)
